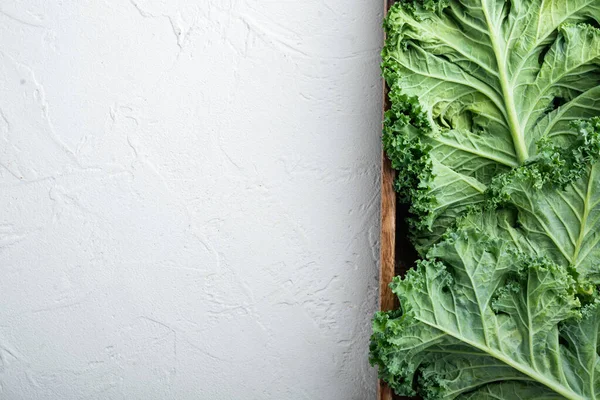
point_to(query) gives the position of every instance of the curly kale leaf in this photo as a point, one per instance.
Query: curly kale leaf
(494, 129)
(481, 87)
(482, 320)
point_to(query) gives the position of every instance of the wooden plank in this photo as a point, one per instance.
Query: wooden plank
(387, 300)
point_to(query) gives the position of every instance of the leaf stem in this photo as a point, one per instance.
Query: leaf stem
(509, 102)
(586, 213)
(524, 369)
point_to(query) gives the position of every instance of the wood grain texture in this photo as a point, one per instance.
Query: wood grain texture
(387, 299)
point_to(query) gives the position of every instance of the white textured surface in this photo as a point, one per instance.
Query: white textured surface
(189, 198)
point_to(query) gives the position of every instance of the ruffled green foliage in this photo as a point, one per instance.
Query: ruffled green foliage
(493, 79)
(409, 154)
(553, 165)
(430, 5)
(494, 129)
(520, 332)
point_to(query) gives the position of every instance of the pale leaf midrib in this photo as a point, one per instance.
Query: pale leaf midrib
(551, 384)
(511, 111)
(583, 224)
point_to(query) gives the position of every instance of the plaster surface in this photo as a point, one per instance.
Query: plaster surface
(189, 198)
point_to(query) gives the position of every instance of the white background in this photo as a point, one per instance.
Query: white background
(189, 198)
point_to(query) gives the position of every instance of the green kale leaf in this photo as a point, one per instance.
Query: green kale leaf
(475, 87)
